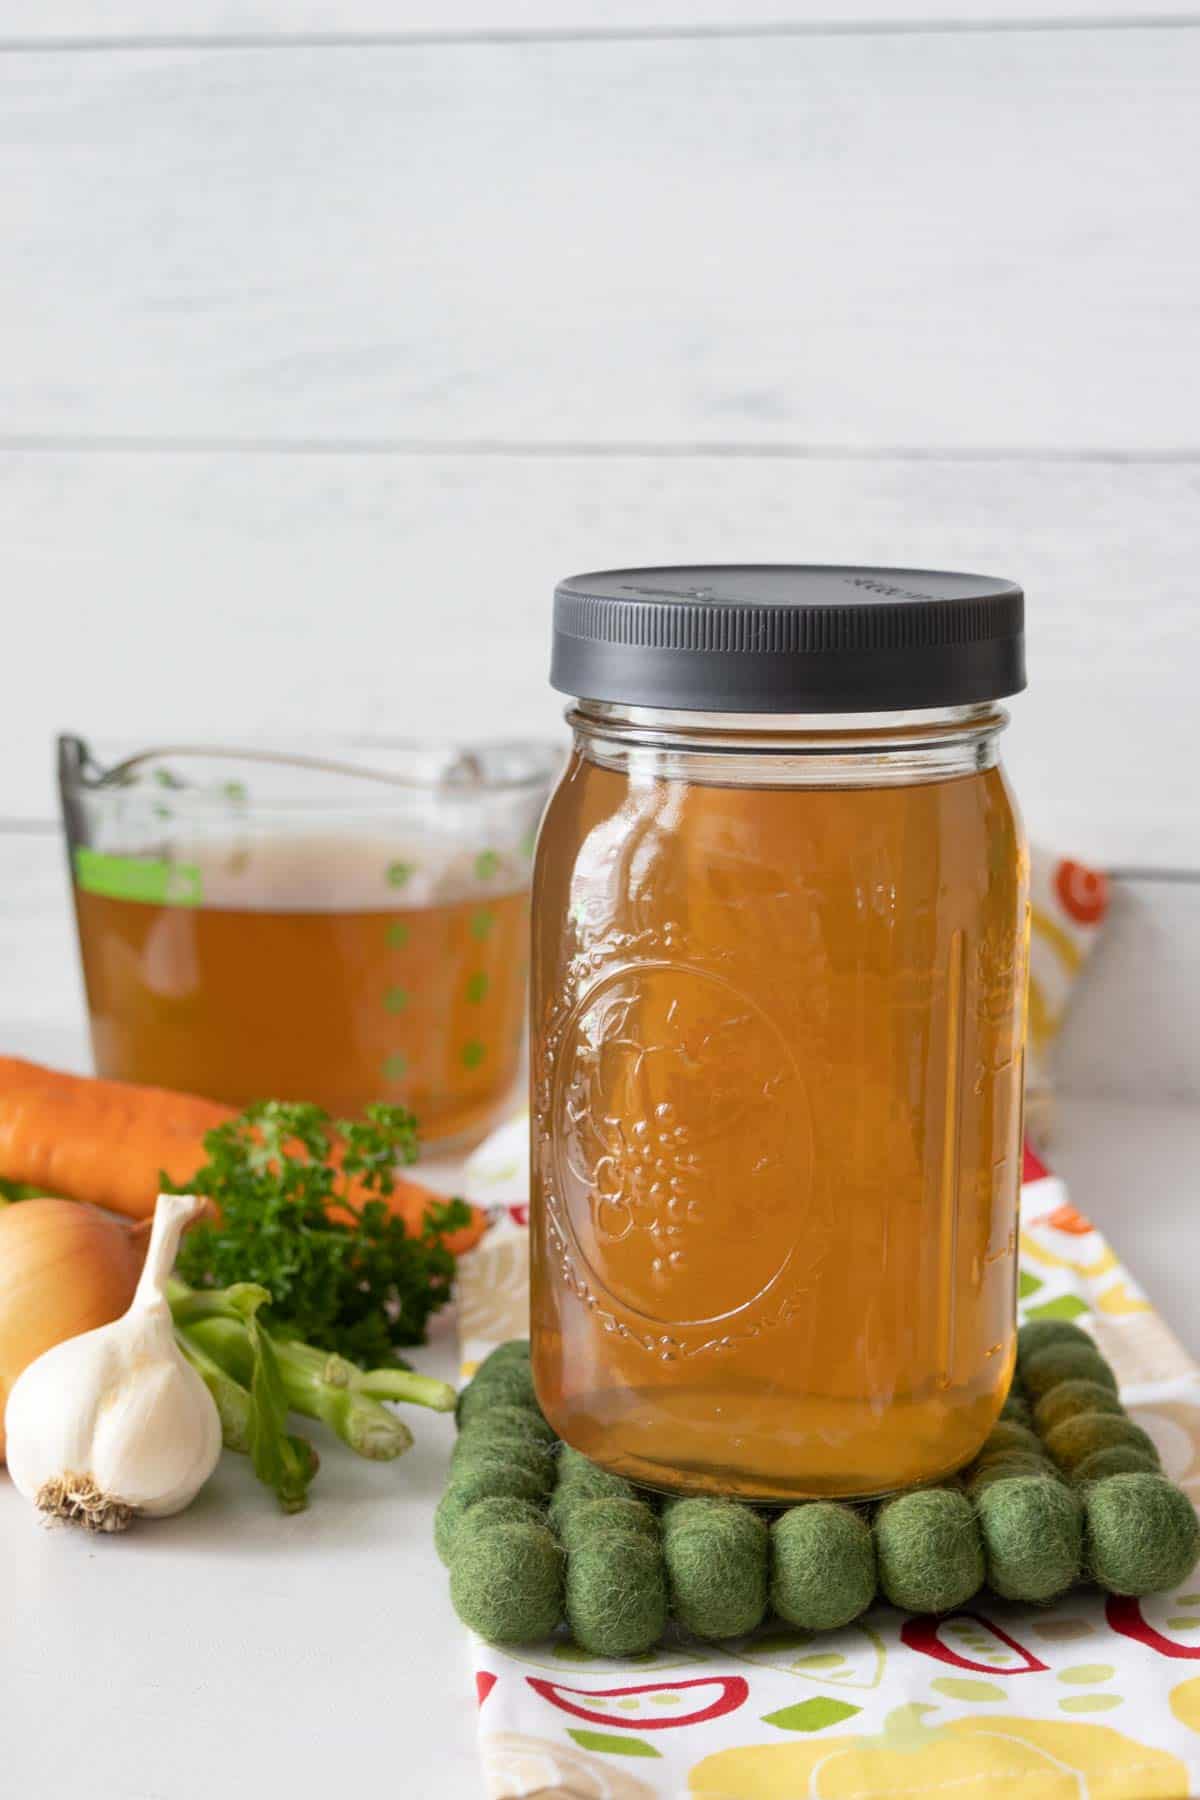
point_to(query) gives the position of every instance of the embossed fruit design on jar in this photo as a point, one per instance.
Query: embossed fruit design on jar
(780, 946)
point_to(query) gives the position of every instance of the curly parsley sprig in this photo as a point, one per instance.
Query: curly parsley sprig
(358, 1283)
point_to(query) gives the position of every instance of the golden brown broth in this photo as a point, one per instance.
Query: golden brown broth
(423, 1005)
(777, 1093)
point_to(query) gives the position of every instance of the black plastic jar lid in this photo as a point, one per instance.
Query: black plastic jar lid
(788, 637)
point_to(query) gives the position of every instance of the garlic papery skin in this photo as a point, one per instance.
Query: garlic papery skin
(116, 1422)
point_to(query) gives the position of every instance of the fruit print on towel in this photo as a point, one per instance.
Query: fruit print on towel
(517, 1767)
(640, 1706)
(966, 1640)
(1030, 1759)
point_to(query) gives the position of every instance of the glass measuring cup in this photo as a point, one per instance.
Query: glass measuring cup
(341, 927)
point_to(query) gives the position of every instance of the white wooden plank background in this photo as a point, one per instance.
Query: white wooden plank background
(54, 20)
(957, 241)
(410, 595)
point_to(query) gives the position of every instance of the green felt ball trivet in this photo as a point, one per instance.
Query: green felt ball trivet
(929, 1551)
(717, 1558)
(1008, 1468)
(508, 1421)
(506, 1583)
(587, 1519)
(616, 1595)
(480, 1482)
(822, 1565)
(1007, 1439)
(1078, 1438)
(1016, 1410)
(1066, 1362)
(507, 1384)
(579, 1481)
(1032, 1531)
(1119, 1459)
(538, 1459)
(1141, 1534)
(1039, 1334)
(496, 1509)
(1068, 1398)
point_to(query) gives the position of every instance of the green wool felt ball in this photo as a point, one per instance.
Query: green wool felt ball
(508, 1384)
(586, 1519)
(717, 1565)
(580, 1480)
(1118, 1459)
(1016, 1409)
(1039, 1334)
(1141, 1534)
(497, 1509)
(1068, 1398)
(480, 1482)
(1008, 1468)
(822, 1565)
(582, 1477)
(929, 1550)
(1076, 1439)
(574, 1464)
(508, 1421)
(1066, 1362)
(616, 1595)
(506, 1582)
(1005, 1439)
(538, 1459)
(1032, 1531)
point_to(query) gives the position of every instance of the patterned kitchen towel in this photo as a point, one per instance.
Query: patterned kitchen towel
(1069, 903)
(1091, 1699)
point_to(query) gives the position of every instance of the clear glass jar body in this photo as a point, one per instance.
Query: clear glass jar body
(778, 997)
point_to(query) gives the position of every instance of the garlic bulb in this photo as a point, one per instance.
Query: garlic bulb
(115, 1422)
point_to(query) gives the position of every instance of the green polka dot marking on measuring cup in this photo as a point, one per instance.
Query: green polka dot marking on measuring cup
(487, 864)
(477, 986)
(395, 1066)
(473, 1054)
(395, 999)
(397, 935)
(399, 874)
(482, 923)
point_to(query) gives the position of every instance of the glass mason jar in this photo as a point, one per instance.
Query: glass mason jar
(778, 991)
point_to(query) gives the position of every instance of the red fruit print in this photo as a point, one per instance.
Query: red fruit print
(1082, 892)
(1033, 1168)
(1068, 1218)
(484, 1683)
(1005, 1657)
(725, 1694)
(1125, 1615)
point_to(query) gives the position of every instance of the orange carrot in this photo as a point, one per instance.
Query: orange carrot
(106, 1141)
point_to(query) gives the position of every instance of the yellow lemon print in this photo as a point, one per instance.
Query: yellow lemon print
(1185, 1702)
(1041, 1759)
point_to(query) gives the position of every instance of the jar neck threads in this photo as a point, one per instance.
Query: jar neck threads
(789, 750)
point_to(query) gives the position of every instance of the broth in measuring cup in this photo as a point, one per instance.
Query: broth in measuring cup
(334, 969)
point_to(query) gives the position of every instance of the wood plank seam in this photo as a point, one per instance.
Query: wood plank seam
(601, 34)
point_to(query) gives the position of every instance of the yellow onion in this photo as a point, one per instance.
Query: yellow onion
(64, 1268)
